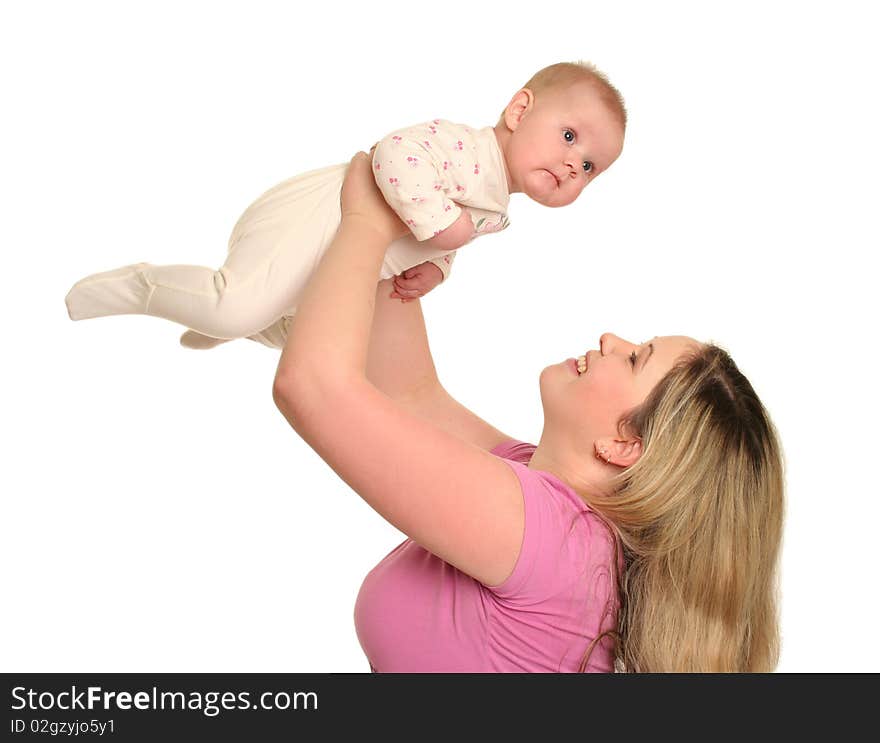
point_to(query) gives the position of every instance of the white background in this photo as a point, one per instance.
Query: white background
(159, 514)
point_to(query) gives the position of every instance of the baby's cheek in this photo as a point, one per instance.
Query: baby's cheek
(539, 185)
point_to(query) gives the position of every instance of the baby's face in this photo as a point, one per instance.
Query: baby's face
(561, 143)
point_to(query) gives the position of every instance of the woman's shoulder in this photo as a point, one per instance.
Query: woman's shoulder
(521, 453)
(563, 536)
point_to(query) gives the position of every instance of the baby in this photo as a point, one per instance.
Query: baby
(447, 182)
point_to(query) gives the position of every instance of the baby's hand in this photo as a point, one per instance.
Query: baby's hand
(416, 282)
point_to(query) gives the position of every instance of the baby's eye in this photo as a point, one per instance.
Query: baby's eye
(568, 134)
(632, 359)
(588, 166)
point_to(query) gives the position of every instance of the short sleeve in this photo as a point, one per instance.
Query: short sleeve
(517, 451)
(411, 184)
(564, 542)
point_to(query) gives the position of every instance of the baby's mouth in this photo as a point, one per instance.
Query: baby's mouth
(554, 177)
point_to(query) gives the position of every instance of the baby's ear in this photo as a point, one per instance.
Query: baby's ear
(519, 106)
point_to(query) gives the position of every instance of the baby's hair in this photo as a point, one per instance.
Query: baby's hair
(563, 74)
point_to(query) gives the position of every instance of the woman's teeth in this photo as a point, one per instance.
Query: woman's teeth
(581, 364)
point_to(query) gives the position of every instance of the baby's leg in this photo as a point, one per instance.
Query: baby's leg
(199, 342)
(275, 336)
(248, 293)
(273, 251)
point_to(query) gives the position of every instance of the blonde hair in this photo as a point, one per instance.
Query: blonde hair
(565, 74)
(699, 517)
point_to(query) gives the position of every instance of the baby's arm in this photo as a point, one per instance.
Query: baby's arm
(459, 233)
(417, 281)
(411, 184)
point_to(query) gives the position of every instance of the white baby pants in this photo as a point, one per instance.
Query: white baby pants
(273, 250)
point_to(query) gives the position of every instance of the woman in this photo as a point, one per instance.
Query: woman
(641, 533)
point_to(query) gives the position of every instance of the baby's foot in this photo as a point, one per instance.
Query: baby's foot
(192, 339)
(123, 291)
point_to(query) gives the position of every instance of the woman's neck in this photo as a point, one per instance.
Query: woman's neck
(581, 471)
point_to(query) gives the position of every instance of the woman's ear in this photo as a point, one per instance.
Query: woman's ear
(620, 452)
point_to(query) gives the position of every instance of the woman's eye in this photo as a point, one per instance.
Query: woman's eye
(588, 166)
(568, 134)
(632, 359)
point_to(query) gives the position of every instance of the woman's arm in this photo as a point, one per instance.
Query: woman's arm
(400, 364)
(450, 496)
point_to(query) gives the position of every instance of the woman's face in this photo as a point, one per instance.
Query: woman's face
(586, 400)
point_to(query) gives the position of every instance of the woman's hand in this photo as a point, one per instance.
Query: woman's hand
(362, 200)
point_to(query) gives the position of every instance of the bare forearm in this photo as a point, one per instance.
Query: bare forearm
(436, 405)
(331, 329)
(399, 360)
(400, 364)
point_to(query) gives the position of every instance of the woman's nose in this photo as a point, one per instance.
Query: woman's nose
(608, 342)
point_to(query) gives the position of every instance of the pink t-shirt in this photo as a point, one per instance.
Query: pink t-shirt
(416, 613)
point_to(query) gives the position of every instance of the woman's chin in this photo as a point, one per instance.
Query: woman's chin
(560, 372)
